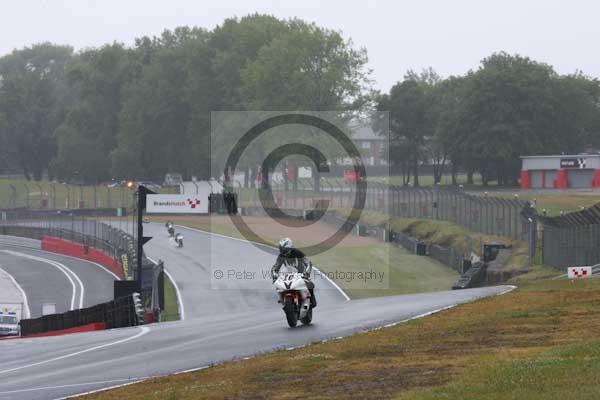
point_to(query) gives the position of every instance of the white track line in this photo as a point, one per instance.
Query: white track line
(180, 306)
(61, 267)
(335, 285)
(54, 254)
(81, 260)
(75, 385)
(144, 330)
(27, 312)
(178, 293)
(130, 382)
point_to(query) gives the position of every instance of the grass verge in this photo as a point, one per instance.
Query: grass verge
(554, 203)
(538, 342)
(402, 272)
(171, 311)
(448, 234)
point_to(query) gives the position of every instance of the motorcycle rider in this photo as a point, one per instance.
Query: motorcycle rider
(179, 239)
(170, 228)
(291, 257)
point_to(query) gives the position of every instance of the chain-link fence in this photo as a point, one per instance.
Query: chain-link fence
(61, 196)
(572, 239)
(108, 234)
(480, 213)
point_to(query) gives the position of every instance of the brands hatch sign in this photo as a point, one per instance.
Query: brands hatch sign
(579, 272)
(176, 204)
(573, 163)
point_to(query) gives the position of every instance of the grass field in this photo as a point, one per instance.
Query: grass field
(427, 180)
(554, 203)
(538, 342)
(20, 193)
(61, 196)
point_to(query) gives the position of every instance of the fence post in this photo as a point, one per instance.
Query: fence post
(68, 204)
(12, 202)
(41, 194)
(27, 194)
(53, 189)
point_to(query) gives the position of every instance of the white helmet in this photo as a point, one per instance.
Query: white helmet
(285, 246)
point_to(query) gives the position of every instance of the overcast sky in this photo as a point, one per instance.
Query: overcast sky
(451, 36)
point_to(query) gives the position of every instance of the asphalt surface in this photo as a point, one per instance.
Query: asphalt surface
(217, 274)
(224, 320)
(51, 278)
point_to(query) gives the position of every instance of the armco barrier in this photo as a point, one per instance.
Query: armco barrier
(68, 248)
(103, 242)
(118, 313)
(406, 241)
(96, 326)
(448, 256)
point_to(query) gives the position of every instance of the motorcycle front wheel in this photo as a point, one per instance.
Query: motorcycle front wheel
(290, 312)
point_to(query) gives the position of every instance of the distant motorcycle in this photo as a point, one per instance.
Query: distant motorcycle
(295, 297)
(170, 228)
(179, 240)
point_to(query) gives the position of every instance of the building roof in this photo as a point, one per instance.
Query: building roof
(365, 132)
(562, 156)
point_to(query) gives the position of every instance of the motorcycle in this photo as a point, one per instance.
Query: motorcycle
(170, 228)
(179, 240)
(295, 297)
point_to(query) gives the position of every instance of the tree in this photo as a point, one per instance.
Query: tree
(33, 100)
(305, 68)
(88, 134)
(448, 140)
(412, 123)
(514, 106)
(154, 134)
(235, 44)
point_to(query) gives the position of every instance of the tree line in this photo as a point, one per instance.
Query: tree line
(144, 110)
(483, 121)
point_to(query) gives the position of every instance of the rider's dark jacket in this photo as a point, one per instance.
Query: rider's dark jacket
(295, 258)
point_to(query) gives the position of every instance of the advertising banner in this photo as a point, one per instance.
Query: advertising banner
(579, 272)
(177, 204)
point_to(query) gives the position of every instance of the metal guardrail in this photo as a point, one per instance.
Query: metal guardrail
(406, 241)
(118, 313)
(103, 235)
(447, 256)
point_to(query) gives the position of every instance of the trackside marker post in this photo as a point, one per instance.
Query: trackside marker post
(579, 272)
